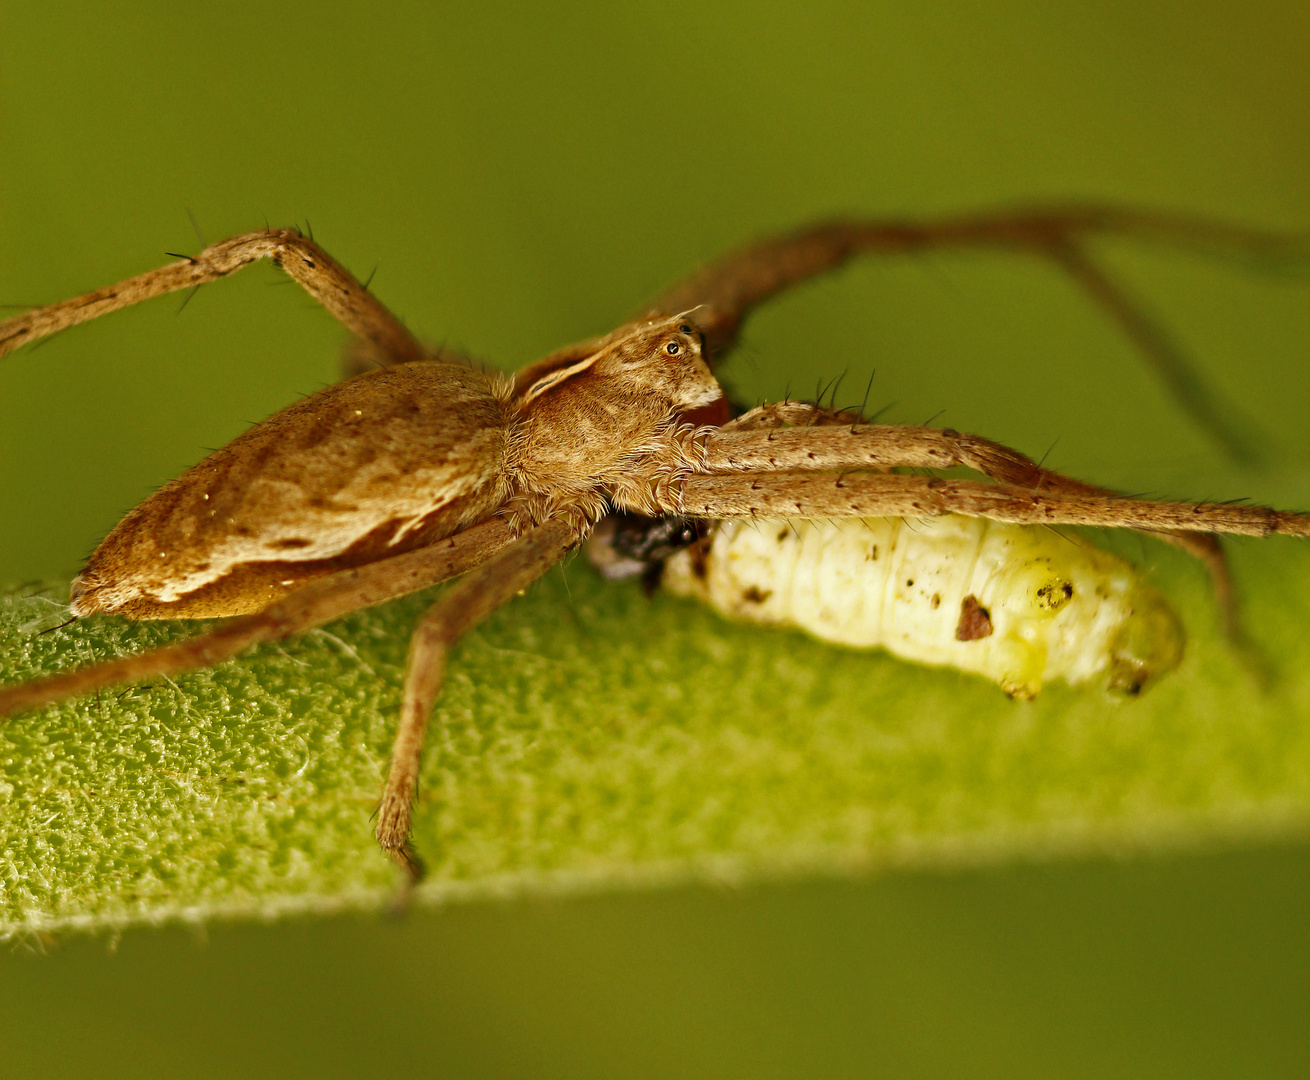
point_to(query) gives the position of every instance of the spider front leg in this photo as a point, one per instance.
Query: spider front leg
(460, 609)
(826, 495)
(824, 439)
(830, 446)
(326, 280)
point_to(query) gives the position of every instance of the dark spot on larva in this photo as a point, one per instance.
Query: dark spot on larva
(873, 553)
(909, 583)
(975, 620)
(754, 596)
(936, 600)
(290, 544)
(782, 535)
(1054, 595)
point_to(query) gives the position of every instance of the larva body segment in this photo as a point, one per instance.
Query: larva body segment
(1020, 606)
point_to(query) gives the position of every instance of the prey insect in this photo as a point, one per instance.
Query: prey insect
(428, 468)
(1015, 604)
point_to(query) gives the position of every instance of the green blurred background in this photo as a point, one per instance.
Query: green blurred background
(522, 177)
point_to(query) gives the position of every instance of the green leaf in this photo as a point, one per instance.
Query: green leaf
(590, 737)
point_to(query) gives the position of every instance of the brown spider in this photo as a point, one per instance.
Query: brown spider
(427, 468)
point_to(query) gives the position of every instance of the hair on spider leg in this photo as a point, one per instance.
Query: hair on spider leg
(832, 397)
(415, 870)
(1069, 538)
(823, 387)
(568, 593)
(52, 629)
(1042, 460)
(190, 295)
(40, 343)
(864, 401)
(195, 226)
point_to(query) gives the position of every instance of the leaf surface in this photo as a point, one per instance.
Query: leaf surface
(590, 737)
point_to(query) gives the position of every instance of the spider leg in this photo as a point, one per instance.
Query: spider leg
(827, 446)
(725, 292)
(459, 609)
(319, 602)
(1209, 552)
(1208, 409)
(836, 445)
(862, 494)
(326, 280)
(779, 414)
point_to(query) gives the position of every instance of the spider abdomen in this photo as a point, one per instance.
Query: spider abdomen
(372, 466)
(1017, 605)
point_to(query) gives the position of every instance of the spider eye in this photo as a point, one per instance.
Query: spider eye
(673, 348)
(686, 328)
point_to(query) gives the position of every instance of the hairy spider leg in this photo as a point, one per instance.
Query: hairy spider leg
(725, 291)
(326, 280)
(827, 495)
(459, 609)
(823, 439)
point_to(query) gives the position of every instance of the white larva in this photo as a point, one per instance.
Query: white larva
(1018, 605)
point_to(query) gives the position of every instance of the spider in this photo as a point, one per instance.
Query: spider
(427, 468)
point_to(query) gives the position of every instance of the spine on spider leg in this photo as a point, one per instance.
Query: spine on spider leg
(1017, 605)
